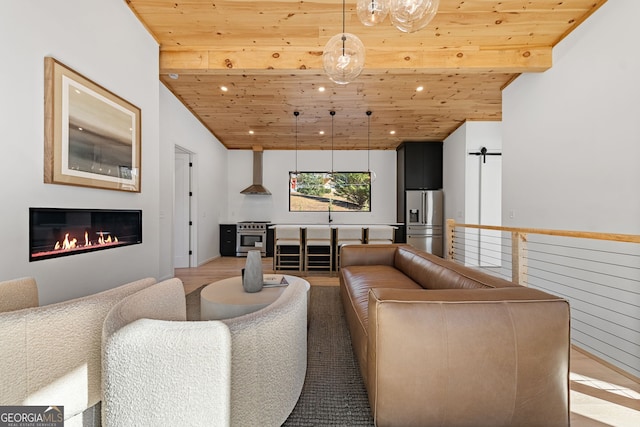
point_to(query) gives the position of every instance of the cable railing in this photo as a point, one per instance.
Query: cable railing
(598, 273)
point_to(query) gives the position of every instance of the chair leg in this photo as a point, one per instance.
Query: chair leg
(287, 260)
(319, 258)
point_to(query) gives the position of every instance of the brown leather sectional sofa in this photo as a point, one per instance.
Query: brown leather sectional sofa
(440, 344)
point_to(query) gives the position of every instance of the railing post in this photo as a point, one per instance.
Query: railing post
(519, 258)
(449, 234)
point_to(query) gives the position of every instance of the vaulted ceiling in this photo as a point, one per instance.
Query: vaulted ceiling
(268, 54)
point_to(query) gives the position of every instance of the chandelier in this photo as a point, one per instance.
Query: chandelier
(343, 56)
(372, 12)
(406, 15)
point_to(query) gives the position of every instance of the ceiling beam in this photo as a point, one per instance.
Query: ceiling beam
(465, 60)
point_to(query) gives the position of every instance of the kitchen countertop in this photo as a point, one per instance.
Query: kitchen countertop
(334, 225)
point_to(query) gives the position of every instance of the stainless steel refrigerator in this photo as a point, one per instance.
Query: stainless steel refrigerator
(424, 220)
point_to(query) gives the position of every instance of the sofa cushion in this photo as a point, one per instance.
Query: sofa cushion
(360, 279)
(432, 272)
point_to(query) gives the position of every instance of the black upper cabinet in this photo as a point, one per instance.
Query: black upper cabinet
(421, 165)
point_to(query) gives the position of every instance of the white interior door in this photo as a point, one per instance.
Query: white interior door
(483, 205)
(182, 210)
(491, 211)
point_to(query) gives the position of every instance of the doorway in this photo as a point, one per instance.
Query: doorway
(483, 203)
(183, 252)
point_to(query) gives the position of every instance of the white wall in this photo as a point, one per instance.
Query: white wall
(461, 171)
(487, 199)
(276, 167)
(454, 155)
(105, 42)
(461, 182)
(571, 146)
(571, 134)
(179, 127)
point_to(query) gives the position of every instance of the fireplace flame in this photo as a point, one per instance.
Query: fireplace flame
(72, 242)
(69, 244)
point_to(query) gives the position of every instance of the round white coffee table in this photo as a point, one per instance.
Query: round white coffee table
(226, 298)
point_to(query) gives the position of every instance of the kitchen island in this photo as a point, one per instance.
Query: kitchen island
(297, 253)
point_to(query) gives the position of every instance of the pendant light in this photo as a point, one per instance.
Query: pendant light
(372, 12)
(372, 175)
(296, 113)
(343, 56)
(412, 15)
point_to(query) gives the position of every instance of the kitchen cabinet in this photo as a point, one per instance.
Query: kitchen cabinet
(270, 242)
(422, 165)
(419, 167)
(228, 239)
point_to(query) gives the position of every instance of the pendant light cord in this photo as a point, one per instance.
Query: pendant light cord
(296, 113)
(343, 16)
(368, 141)
(333, 113)
(344, 38)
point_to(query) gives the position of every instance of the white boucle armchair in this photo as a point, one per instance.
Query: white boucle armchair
(50, 355)
(269, 352)
(17, 294)
(159, 369)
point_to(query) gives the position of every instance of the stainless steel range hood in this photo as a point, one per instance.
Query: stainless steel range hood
(257, 188)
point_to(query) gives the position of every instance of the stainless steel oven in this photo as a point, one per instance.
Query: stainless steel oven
(251, 235)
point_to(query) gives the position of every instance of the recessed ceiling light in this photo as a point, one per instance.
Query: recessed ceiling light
(224, 88)
(419, 88)
(393, 132)
(321, 89)
(321, 132)
(173, 76)
(250, 132)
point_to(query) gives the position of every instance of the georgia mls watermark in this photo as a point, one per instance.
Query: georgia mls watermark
(31, 416)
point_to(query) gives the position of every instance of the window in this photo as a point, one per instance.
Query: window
(329, 191)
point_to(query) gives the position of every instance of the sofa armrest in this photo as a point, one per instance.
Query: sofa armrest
(367, 255)
(455, 357)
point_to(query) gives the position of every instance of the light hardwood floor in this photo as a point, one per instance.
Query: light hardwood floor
(599, 395)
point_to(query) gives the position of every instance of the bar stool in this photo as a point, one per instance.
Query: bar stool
(382, 234)
(347, 235)
(287, 254)
(318, 249)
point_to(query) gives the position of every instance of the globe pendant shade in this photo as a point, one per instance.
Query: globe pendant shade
(343, 58)
(412, 15)
(372, 12)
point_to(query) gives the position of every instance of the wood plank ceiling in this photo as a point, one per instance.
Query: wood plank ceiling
(268, 54)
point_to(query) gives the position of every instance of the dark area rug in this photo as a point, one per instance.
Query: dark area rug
(193, 304)
(333, 393)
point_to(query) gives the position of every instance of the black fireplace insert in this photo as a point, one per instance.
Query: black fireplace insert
(55, 232)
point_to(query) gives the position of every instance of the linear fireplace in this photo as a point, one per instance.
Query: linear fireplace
(57, 232)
